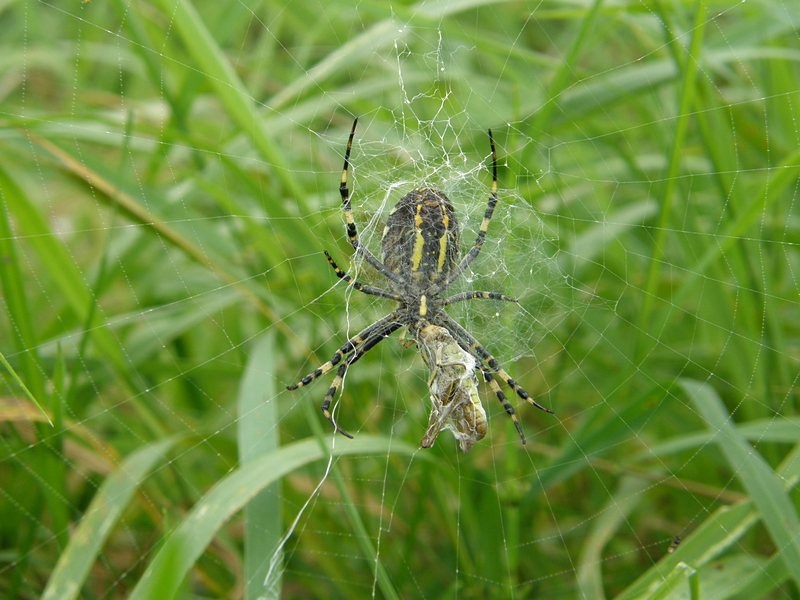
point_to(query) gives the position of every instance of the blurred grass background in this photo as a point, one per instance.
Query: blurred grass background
(168, 175)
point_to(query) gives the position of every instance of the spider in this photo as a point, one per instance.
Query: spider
(420, 260)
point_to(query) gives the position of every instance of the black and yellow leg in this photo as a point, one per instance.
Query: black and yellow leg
(365, 289)
(365, 347)
(487, 217)
(352, 233)
(474, 347)
(477, 296)
(503, 400)
(344, 192)
(352, 344)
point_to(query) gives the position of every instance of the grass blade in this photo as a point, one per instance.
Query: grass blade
(230, 89)
(380, 34)
(782, 178)
(717, 533)
(13, 289)
(189, 540)
(763, 484)
(675, 160)
(58, 263)
(257, 429)
(567, 69)
(764, 580)
(21, 384)
(140, 214)
(590, 575)
(368, 549)
(679, 574)
(104, 511)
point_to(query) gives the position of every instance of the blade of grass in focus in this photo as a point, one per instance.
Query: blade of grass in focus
(185, 545)
(257, 437)
(106, 508)
(763, 484)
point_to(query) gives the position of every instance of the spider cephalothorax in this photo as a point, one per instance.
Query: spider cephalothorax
(420, 259)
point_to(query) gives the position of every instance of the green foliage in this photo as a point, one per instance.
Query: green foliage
(169, 178)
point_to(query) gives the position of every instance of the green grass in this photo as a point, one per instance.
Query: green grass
(168, 177)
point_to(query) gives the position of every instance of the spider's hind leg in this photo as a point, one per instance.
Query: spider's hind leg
(504, 401)
(474, 347)
(326, 404)
(353, 343)
(365, 347)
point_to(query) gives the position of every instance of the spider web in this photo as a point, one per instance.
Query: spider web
(169, 181)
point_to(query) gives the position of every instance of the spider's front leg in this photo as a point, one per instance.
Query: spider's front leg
(364, 289)
(352, 233)
(487, 217)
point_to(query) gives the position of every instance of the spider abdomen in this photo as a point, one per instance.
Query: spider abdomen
(420, 241)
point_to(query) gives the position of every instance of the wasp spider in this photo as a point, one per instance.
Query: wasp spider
(420, 260)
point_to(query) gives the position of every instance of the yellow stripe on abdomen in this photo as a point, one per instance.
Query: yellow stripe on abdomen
(419, 241)
(443, 240)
